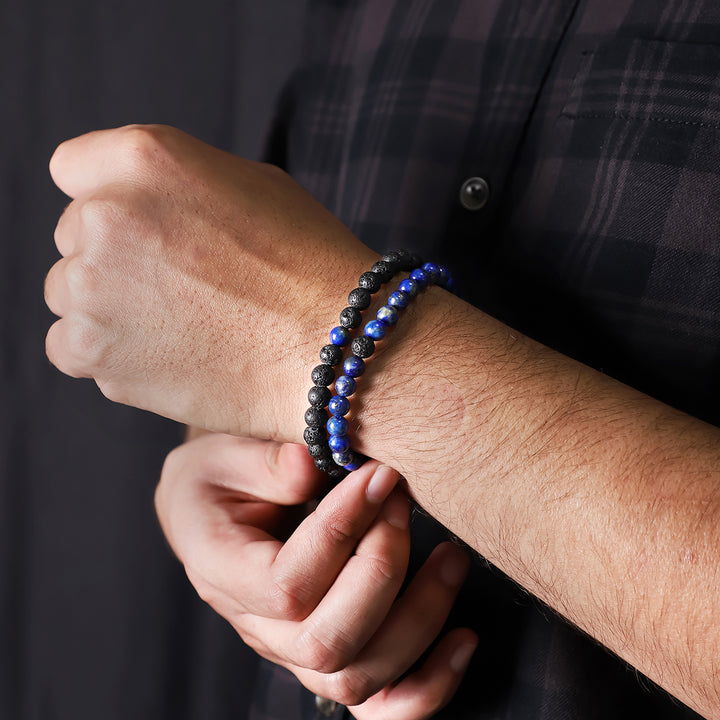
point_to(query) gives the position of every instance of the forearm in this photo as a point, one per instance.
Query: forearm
(597, 499)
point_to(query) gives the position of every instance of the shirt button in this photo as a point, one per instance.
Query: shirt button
(325, 707)
(474, 193)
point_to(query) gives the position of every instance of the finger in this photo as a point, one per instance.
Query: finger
(425, 692)
(62, 342)
(311, 559)
(355, 606)
(57, 292)
(414, 622)
(67, 230)
(83, 164)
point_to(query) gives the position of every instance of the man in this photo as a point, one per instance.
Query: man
(582, 140)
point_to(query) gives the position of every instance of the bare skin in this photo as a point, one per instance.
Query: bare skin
(193, 284)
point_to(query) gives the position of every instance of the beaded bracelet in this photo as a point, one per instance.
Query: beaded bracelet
(323, 375)
(337, 445)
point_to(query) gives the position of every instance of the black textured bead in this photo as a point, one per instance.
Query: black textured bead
(319, 450)
(359, 298)
(314, 435)
(405, 259)
(337, 472)
(416, 261)
(350, 318)
(322, 375)
(319, 396)
(363, 346)
(324, 463)
(315, 417)
(384, 270)
(331, 355)
(370, 281)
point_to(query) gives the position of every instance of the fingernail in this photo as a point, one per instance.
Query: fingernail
(381, 483)
(461, 657)
(397, 511)
(454, 567)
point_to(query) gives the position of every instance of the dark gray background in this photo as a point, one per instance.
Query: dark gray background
(96, 618)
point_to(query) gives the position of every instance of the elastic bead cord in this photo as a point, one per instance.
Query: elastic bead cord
(363, 346)
(333, 444)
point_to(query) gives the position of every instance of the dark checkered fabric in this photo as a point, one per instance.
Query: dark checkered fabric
(597, 126)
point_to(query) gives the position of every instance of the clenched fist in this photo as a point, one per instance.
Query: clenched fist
(193, 283)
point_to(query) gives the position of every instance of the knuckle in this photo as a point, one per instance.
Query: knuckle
(323, 655)
(143, 145)
(285, 601)
(80, 279)
(338, 526)
(84, 344)
(351, 686)
(98, 215)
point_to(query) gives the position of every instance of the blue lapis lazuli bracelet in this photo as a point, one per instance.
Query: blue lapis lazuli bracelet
(330, 445)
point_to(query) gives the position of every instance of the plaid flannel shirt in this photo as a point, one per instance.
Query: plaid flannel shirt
(596, 126)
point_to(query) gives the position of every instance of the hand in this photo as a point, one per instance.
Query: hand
(194, 283)
(323, 603)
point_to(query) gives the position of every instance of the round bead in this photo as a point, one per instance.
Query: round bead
(319, 396)
(314, 435)
(345, 386)
(370, 281)
(359, 298)
(322, 375)
(319, 450)
(362, 346)
(339, 405)
(387, 315)
(384, 270)
(409, 286)
(350, 318)
(393, 258)
(354, 366)
(339, 443)
(354, 464)
(432, 270)
(336, 473)
(324, 463)
(337, 426)
(376, 330)
(443, 276)
(420, 277)
(398, 299)
(342, 458)
(314, 417)
(406, 260)
(340, 336)
(331, 354)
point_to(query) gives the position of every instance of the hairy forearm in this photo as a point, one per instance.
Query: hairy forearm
(599, 500)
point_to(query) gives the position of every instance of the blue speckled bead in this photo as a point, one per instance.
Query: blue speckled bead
(339, 443)
(420, 277)
(342, 458)
(339, 406)
(355, 462)
(399, 299)
(409, 286)
(345, 386)
(340, 336)
(337, 426)
(375, 329)
(432, 270)
(387, 315)
(354, 366)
